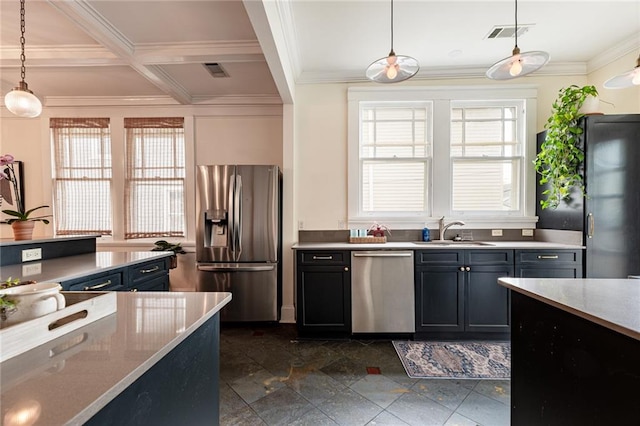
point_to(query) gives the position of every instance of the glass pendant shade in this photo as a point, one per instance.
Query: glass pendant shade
(628, 79)
(518, 65)
(22, 102)
(392, 69)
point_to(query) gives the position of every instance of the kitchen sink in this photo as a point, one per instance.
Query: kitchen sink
(452, 243)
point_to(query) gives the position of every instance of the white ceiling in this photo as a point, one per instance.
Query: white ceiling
(156, 48)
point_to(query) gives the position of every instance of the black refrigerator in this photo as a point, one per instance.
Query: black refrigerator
(609, 217)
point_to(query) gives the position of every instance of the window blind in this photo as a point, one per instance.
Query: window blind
(155, 177)
(82, 157)
(395, 155)
(486, 157)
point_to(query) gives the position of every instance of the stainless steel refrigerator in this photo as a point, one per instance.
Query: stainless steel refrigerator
(238, 239)
(608, 216)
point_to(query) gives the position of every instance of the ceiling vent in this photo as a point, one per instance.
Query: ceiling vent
(216, 70)
(508, 31)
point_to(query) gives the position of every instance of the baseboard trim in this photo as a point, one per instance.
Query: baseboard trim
(288, 314)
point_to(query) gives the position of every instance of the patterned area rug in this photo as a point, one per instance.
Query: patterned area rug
(455, 360)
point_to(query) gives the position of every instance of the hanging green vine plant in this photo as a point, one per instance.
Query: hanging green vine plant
(560, 157)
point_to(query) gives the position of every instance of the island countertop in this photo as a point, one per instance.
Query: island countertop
(448, 245)
(69, 379)
(612, 303)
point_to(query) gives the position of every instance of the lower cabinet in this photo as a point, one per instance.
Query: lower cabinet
(549, 263)
(323, 293)
(146, 276)
(458, 296)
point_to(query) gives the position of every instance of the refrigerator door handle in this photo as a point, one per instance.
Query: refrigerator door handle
(235, 268)
(238, 214)
(591, 225)
(232, 215)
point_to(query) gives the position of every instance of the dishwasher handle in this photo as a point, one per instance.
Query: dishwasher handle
(384, 254)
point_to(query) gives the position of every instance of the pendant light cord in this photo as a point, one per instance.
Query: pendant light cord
(516, 22)
(22, 41)
(392, 26)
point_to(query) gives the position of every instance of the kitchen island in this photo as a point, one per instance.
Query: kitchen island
(575, 350)
(154, 361)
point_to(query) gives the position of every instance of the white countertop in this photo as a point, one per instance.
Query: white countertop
(71, 378)
(612, 303)
(408, 245)
(70, 267)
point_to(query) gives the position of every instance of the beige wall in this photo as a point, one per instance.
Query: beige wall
(625, 101)
(235, 134)
(321, 138)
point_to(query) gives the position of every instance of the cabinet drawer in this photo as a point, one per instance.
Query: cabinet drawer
(324, 257)
(439, 257)
(489, 257)
(546, 257)
(111, 282)
(148, 270)
(156, 284)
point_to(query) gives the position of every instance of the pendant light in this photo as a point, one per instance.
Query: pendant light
(392, 68)
(628, 79)
(21, 101)
(518, 64)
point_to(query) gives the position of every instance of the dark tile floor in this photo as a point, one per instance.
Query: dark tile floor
(269, 377)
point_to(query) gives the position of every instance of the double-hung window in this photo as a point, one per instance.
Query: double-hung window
(82, 175)
(419, 153)
(394, 158)
(141, 197)
(486, 155)
(154, 177)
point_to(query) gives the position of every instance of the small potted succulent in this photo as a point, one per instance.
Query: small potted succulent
(176, 248)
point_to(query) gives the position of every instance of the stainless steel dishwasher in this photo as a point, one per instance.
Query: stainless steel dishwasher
(382, 292)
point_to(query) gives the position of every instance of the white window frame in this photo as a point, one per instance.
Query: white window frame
(441, 181)
(519, 104)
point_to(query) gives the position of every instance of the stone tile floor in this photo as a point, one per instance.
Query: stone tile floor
(269, 377)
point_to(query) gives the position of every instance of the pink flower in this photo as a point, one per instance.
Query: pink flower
(6, 159)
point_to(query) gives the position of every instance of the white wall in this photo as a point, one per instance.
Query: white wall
(625, 101)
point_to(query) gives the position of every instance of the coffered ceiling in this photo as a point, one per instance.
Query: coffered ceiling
(156, 49)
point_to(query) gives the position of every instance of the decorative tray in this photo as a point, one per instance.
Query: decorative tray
(82, 308)
(367, 240)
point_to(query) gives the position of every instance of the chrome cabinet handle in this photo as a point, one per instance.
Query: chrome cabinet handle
(592, 225)
(322, 257)
(346, 268)
(146, 271)
(555, 256)
(134, 289)
(97, 286)
(462, 269)
(467, 268)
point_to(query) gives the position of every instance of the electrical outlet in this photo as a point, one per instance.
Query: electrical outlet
(496, 232)
(31, 269)
(527, 232)
(31, 254)
(300, 225)
(342, 224)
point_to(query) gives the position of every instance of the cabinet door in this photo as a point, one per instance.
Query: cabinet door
(155, 284)
(144, 272)
(324, 298)
(549, 263)
(439, 299)
(488, 304)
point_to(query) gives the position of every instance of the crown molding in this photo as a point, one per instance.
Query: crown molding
(626, 46)
(438, 73)
(143, 101)
(285, 12)
(204, 51)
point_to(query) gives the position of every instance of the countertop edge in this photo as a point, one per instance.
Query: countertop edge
(89, 411)
(572, 310)
(409, 245)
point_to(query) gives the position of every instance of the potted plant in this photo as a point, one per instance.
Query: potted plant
(21, 220)
(560, 157)
(176, 248)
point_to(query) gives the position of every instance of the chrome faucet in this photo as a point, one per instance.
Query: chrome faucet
(443, 228)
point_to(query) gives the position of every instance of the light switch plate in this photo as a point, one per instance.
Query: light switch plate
(31, 254)
(496, 232)
(527, 232)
